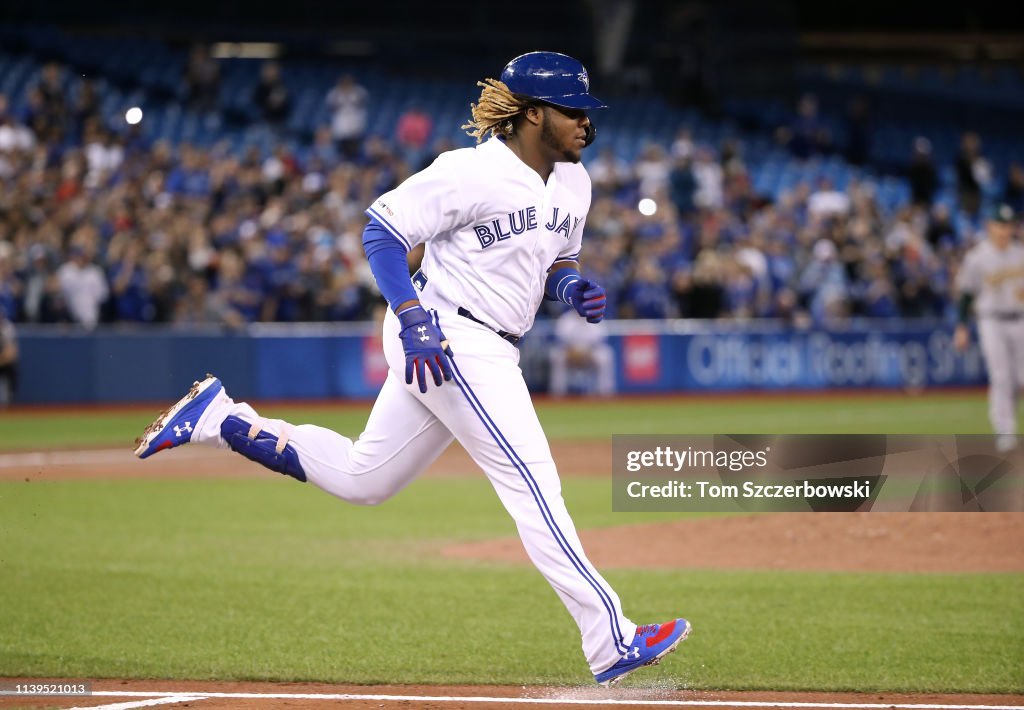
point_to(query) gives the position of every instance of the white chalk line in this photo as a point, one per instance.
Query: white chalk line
(92, 457)
(169, 696)
(173, 700)
(65, 458)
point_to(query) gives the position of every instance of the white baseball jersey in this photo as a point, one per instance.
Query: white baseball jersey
(492, 228)
(995, 277)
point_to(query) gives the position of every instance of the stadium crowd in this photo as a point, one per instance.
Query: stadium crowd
(97, 225)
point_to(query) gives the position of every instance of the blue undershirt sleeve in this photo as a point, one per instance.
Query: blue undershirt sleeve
(556, 286)
(388, 263)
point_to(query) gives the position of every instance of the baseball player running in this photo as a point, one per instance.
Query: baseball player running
(502, 224)
(992, 280)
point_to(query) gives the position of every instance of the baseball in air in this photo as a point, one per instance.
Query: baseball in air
(647, 207)
(133, 115)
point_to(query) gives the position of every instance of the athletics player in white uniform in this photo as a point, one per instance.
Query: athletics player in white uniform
(503, 226)
(992, 279)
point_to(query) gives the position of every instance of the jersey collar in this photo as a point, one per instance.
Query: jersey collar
(497, 146)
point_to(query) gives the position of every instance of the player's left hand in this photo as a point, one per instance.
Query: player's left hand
(589, 299)
(425, 348)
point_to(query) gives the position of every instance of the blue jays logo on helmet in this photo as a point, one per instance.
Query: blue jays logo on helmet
(550, 77)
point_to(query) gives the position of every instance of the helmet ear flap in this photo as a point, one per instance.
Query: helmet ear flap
(591, 134)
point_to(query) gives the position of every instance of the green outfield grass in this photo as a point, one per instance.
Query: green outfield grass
(882, 413)
(269, 579)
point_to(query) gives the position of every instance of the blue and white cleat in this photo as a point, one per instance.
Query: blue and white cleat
(179, 424)
(651, 643)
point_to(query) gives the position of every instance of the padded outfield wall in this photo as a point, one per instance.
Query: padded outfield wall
(314, 361)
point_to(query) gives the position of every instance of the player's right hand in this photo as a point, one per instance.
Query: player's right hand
(425, 348)
(961, 338)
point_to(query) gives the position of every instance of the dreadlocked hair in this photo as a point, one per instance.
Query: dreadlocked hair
(495, 111)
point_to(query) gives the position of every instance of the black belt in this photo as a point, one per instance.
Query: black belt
(1005, 316)
(514, 339)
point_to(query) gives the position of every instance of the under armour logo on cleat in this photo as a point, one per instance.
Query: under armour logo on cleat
(423, 333)
(179, 430)
(632, 654)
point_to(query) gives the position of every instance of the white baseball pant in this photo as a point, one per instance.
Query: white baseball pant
(487, 407)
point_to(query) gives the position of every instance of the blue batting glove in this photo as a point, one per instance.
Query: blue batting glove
(425, 348)
(589, 299)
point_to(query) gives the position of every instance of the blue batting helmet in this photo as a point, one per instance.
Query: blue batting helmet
(552, 78)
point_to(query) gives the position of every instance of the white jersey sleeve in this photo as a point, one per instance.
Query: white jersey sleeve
(430, 202)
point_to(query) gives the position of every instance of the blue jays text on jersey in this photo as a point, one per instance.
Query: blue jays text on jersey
(524, 220)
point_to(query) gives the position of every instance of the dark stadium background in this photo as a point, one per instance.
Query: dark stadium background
(734, 71)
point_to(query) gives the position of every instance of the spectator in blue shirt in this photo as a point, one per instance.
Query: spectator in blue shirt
(238, 292)
(823, 282)
(129, 286)
(284, 290)
(648, 294)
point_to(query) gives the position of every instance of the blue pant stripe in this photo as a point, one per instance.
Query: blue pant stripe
(542, 505)
(521, 467)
